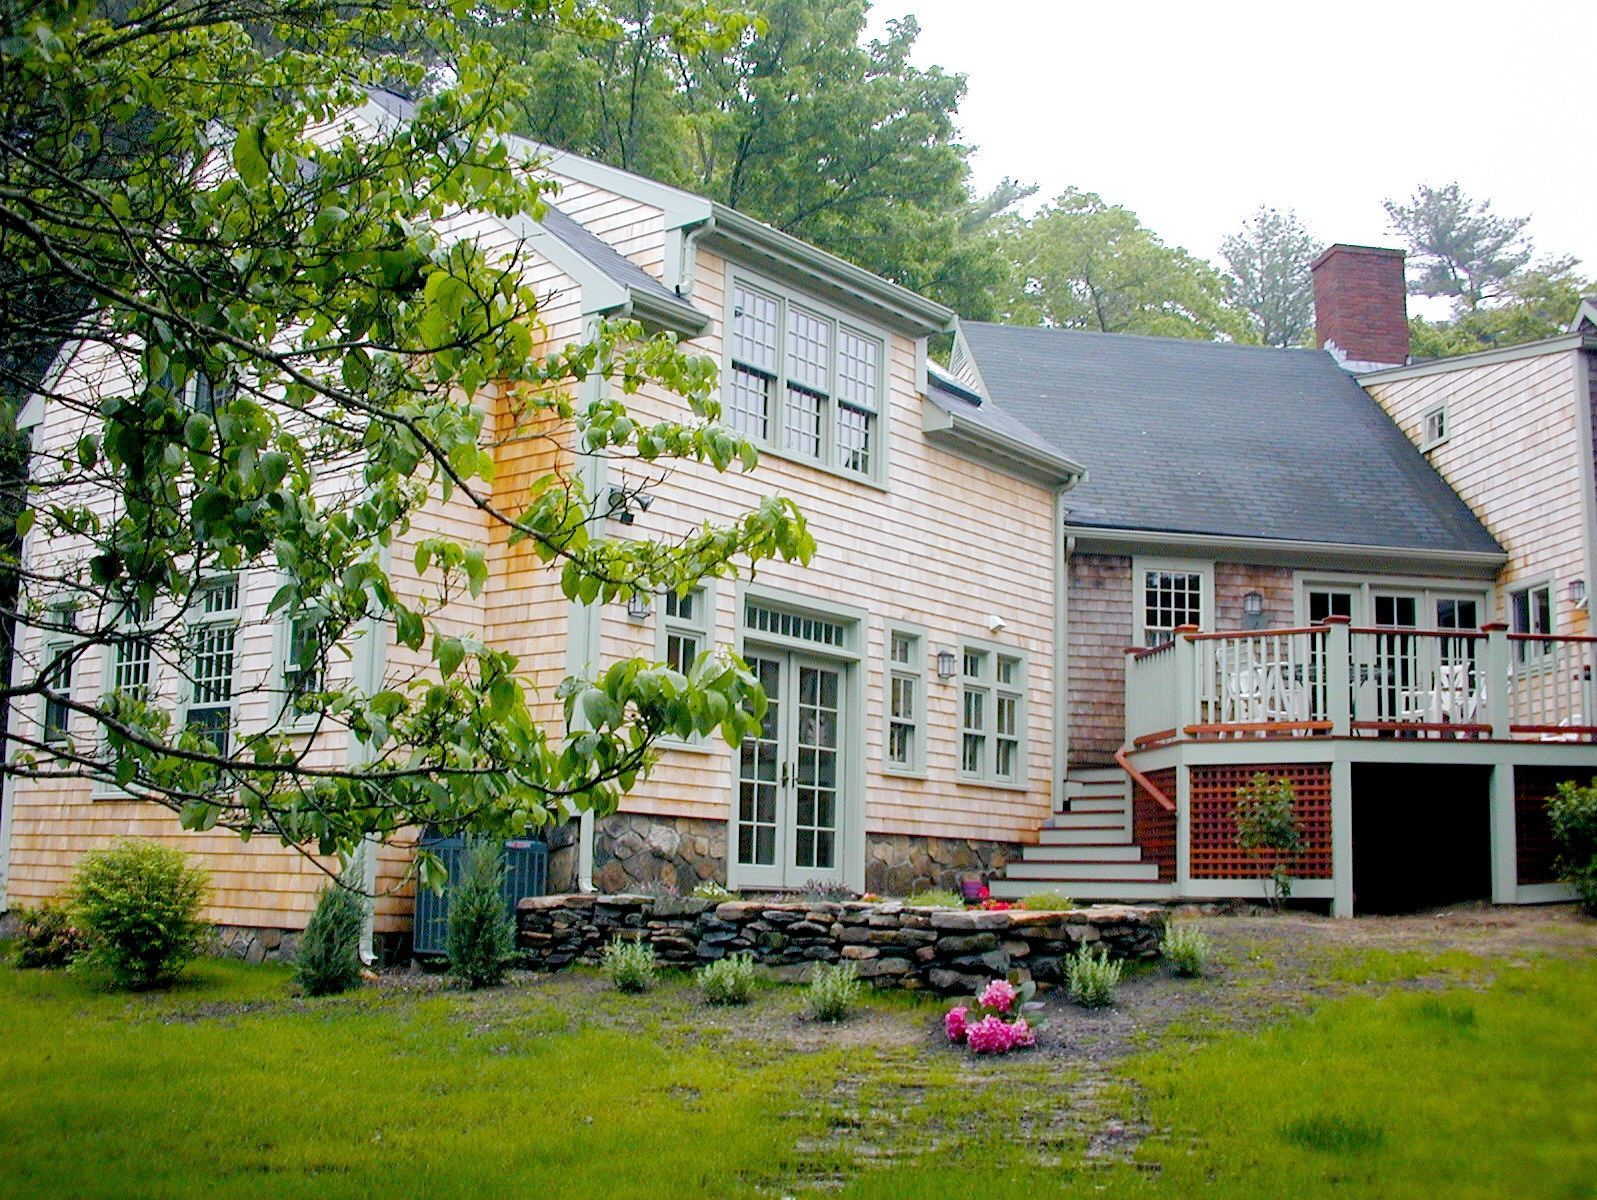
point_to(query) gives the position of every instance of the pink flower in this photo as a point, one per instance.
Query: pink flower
(990, 1035)
(1021, 1034)
(999, 995)
(954, 1023)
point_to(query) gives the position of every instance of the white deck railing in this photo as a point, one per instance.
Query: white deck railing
(1333, 679)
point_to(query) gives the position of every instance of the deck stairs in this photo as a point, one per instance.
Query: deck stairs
(1086, 851)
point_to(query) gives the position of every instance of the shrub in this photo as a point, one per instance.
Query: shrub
(820, 891)
(46, 937)
(728, 980)
(137, 905)
(1266, 819)
(711, 890)
(1186, 950)
(936, 898)
(630, 966)
(834, 990)
(482, 935)
(1047, 902)
(328, 961)
(1091, 977)
(1573, 811)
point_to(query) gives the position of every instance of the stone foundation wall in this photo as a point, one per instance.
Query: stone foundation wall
(893, 945)
(631, 849)
(254, 944)
(898, 865)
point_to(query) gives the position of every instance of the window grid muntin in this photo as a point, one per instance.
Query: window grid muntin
(992, 715)
(1531, 611)
(298, 680)
(58, 678)
(685, 623)
(905, 702)
(1171, 599)
(847, 384)
(212, 657)
(762, 618)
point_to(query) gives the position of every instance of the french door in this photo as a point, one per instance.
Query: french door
(790, 779)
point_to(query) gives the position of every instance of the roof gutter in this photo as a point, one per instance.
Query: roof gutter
(1288, 551)
(987, 444)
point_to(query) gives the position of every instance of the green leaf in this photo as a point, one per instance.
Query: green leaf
(248, 160)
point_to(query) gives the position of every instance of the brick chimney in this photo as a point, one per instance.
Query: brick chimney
(1361, 306)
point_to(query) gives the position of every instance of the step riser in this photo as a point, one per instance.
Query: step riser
(1085, 891)
(1049, 853)
(1086, 820)
(1068, 872)
(1092, 804)
(1085, 837)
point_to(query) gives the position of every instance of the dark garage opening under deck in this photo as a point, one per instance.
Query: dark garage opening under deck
(1421, 836)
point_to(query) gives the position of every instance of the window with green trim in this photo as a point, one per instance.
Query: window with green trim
(906, 732)
(684, 628)
(804, 381)
(213, 637)
(992, 715)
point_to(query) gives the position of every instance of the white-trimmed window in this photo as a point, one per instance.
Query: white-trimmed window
(684, 628)
(207, 394)
(906, 697)
(992, 715)
(1530, 610)
(213, 638)
(57, 719)
(1434, 428)
(804, 381)
(1167, 596)
(301, 668)
(131, 656)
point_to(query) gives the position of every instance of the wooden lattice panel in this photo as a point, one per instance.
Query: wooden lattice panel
(1534, 849)
(1153, 826)
(1215, 853)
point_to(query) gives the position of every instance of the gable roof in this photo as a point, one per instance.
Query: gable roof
(647, 295)
(1220, 440)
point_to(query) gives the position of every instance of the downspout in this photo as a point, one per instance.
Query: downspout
(1064, 546)
(583, 620)
(371, 660)
(8, 788)
(1583, 374)
(687, 255)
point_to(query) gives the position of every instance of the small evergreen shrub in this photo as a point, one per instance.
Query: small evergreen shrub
(1047, 902)
(630, 966)
(482, 935)
(137, 905)
(1266, 819)
(1573, 812)
(46, 937)
(936, 898)
(728, 980)
(833, 991)
(1186, 950)
(1091, 977)
(328, 961)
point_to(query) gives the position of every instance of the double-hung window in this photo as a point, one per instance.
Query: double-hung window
(804, 381)
(906, 735)
(213, 637)
(303, 666)
(1169, 597)
(1530, 610)
(131, 655)
(59, 652)
(684, 628)
(992, 715)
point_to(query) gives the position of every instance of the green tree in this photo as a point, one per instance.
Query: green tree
(1082, 263)
(1268, 261)
(1459, 247)
(1538, 302)
(803, 122)
(291, 343)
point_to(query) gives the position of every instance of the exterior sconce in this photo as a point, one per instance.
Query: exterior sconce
(1577, 592)
(638, 607)
(1253, 605)
(945, 663)
(622, 503)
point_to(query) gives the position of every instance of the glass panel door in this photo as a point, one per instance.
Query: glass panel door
(790, 788)
(1396, 667)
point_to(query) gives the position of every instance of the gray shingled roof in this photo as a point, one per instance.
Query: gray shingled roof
(615, 265)
(1210, 438)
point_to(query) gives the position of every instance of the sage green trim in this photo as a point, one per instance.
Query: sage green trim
(1286, 552)
(1482, 358)
(704, 630)
(989, 684)
(917, 667)
(981, 443)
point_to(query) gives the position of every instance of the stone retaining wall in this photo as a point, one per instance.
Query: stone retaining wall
(947, 950)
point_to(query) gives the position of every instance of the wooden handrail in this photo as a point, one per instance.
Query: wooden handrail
(1142, 781)
(1580, 639)
(1216, 634)
(1406, 631)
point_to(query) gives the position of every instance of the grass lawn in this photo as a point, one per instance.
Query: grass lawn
(1429, 1076)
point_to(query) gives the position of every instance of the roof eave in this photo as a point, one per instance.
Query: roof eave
(972, 440)
(1481, 358)
(1290, 551)
(817, 269)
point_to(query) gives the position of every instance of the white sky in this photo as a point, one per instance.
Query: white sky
(1192, 115)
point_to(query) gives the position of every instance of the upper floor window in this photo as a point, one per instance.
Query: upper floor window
(59, 653)
(804, 382)
(213, 635)
(1435, 431)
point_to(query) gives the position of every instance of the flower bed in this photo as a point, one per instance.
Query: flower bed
(892, 944)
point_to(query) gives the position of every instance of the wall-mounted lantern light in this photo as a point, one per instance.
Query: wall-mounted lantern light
(1253, 604)
(622, 503)
(638, 607)
(1577, 592)
(945, 663)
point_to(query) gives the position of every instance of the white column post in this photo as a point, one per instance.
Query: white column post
(1186, 681)
(1183, 829)
(1341, 836)
(1339, 676)
(1505, 836)
(1495, 680)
